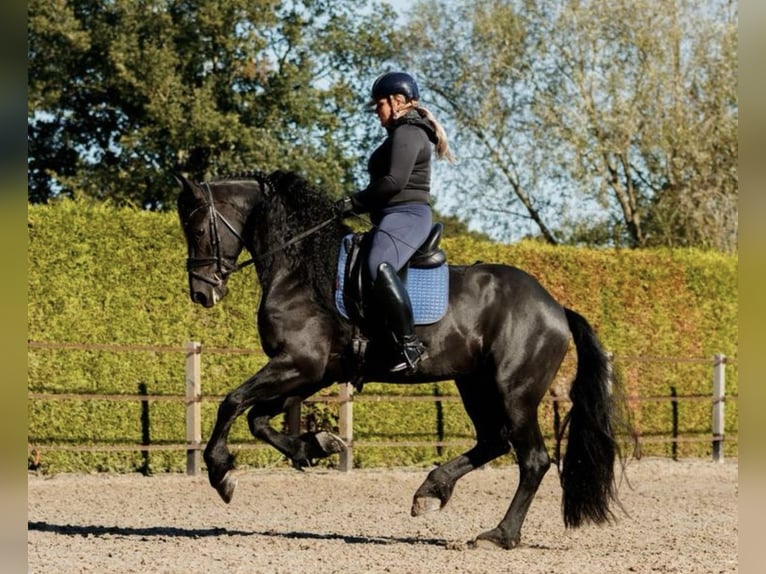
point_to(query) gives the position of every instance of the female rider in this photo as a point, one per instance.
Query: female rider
(398, 201)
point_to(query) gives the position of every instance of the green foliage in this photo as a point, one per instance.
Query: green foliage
(104, 275)
(124, 93)
(611, 123)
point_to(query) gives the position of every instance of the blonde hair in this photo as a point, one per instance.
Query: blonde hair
(442, 145)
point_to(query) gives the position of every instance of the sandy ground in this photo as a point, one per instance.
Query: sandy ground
(683, 518)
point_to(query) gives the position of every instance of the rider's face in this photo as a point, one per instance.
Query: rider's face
(384, 111)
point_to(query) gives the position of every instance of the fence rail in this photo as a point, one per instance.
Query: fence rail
(345, 399)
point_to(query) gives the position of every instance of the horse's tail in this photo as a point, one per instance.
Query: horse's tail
(588, 471)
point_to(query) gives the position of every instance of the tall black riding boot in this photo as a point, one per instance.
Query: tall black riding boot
(393, 296)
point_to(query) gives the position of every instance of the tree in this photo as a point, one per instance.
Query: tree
(590, 120)
(122, 93)
(645, 101)
(472, 57)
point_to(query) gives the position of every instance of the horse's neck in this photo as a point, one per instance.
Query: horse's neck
(293, 269)
(268, 248)
(279, 279)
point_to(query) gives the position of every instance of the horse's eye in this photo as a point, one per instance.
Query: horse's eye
(199, 232)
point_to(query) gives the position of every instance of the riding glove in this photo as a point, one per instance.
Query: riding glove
(348, 206)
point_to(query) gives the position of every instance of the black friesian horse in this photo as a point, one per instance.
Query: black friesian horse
(502, 341)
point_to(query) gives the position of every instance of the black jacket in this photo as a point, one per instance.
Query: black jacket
(400, 168)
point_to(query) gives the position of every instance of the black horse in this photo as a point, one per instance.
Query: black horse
(502, 341)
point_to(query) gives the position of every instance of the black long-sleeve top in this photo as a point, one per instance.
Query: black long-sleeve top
(400, 168)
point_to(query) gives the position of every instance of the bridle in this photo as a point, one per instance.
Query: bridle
(225, 268)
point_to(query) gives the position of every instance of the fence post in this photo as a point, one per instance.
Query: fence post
(346, 425)
(719, 393)
(293, 424)
(293, 418)
(193, 400)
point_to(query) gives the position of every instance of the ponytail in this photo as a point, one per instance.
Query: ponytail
(442, 145)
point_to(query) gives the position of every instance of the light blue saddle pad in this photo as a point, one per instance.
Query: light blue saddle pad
(428, 290)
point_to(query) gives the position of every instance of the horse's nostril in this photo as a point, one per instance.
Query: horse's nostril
(199, 297)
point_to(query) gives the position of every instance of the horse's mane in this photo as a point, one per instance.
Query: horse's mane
(305, 203)
(241, 175)
(290, 185)
(304, 206)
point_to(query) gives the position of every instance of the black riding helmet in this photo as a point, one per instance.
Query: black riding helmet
(392, 83)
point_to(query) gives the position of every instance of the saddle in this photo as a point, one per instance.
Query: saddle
(424, 275)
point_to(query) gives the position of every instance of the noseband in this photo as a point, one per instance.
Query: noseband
(224, 268)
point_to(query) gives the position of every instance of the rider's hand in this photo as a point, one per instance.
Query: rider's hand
(345, 207)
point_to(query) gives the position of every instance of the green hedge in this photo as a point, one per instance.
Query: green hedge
(98, 274)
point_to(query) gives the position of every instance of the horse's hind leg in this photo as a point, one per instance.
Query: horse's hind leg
(533, 461)
(484, 407)
(523, 387)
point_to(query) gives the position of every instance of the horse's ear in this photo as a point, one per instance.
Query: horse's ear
(186, 184)
(182, 181)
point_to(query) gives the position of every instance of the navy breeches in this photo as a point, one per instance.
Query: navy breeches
(399, 231)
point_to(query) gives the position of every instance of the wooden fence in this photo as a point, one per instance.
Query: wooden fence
(345, 399)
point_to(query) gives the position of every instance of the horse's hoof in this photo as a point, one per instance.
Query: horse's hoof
(226, 487)
(493, 539)
(423, 504)
(330, 443)
(484, 544)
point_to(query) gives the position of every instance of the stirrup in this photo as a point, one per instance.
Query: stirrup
(413, 352)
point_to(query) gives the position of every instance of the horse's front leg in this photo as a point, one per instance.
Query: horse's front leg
(217, 457)
(301, 450)
(278, 379)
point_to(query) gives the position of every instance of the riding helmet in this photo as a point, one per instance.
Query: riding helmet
(392, 83)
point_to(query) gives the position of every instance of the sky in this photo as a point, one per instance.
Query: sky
(445, 200)
(401, 6)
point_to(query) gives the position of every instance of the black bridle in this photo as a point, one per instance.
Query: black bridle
(224, 267)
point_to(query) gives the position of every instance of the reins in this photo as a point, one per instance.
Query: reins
(224, 269)
(300, 237)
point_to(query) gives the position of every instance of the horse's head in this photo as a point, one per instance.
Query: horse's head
(213, 229)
